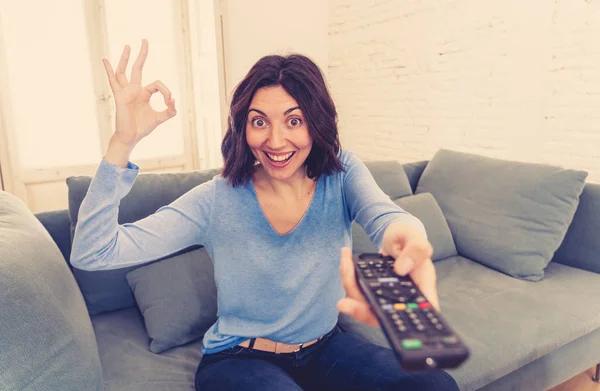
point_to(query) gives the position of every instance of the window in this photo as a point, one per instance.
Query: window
(56, 107)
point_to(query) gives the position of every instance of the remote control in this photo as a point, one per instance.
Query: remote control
(417, 333)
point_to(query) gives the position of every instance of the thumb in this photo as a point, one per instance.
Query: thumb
(169, 113)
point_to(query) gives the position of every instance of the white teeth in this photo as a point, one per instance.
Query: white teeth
(280, 158)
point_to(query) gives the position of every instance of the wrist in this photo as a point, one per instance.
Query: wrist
(118, 153)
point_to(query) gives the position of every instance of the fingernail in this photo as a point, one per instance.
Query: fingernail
(404, 266)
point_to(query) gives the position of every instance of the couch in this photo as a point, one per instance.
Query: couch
(517, 279)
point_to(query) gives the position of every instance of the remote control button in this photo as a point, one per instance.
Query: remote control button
(399, 306)
(374, 284)
(434, 321)
(421, 299)
(424, 305)
(450, 340)
(396, 291)
(406, 283)
(387, 307)
(379, 292)
(420, 327)
(388, 279)
(382, 300)
(439, 326)
(395, 316)
(412, 344)
(412, 306)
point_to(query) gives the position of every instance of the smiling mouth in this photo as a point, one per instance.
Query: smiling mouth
(280, 158)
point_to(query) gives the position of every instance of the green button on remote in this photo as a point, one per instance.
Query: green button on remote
(412, 344)
(413, 306)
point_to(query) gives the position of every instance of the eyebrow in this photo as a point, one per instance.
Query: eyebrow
(284, 113)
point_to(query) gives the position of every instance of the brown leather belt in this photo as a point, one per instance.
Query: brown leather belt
(267, 345)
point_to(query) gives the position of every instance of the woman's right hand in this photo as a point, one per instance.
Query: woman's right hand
(135, 118)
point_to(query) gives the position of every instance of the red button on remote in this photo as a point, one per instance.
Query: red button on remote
(424, 305)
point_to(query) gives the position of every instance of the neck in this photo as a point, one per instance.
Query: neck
(298, 185)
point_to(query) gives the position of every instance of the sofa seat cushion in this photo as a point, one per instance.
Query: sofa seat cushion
(129, 365)
(507, 322)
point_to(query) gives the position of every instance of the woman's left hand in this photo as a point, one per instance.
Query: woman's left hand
(412, 252)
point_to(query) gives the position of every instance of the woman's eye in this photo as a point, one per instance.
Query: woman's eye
(294, 122)
(258, 122)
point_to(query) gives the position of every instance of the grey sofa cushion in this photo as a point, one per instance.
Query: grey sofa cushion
(581, 246)
(57, 224)
(507, 322)
(177, 298)
(128, 363)
(47, 341)
(390, 177)
(424, 207)
(507, 215)
(107, 290)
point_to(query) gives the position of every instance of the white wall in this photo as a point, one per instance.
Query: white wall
(510, 79)
(253, 29)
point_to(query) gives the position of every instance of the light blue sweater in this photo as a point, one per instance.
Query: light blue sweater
(281, 287)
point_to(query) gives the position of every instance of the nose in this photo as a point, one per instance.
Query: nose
(276, 139)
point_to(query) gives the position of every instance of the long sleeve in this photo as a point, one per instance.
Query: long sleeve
(367, 204)
(100, 243)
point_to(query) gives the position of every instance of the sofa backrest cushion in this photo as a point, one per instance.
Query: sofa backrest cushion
(390, 177)
(424, 207)
(510, 216)
(581, 246)
(108, 290)
(47, 341)
(177, 298)
(413, 171)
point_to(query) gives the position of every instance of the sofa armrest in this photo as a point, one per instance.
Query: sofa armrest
(581, 245)
(47, 341)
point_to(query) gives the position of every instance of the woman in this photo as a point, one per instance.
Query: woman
(273, 222)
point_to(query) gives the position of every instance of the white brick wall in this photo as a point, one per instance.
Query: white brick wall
(512, 79)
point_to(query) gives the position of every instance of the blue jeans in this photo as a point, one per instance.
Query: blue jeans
(340, 361)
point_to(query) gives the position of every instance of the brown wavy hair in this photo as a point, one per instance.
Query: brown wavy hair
(303, 80)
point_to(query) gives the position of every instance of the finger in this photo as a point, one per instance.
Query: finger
(166, 114)
(359, 310)
(426, 279)
(121, 77)
(412, 255)
(348, 276)
(159, 86)
(112, 79)
(136, 70)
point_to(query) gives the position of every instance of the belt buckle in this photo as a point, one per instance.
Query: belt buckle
(299, 348)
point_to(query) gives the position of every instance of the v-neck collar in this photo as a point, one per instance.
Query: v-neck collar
(299, 223)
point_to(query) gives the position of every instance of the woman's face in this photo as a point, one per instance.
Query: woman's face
(277, 134)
